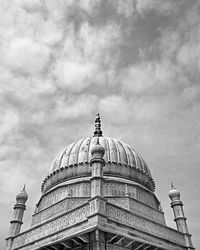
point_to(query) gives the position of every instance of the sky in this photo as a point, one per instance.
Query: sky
(137, 62)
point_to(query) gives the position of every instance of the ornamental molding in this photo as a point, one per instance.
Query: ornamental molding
(130, 219)
(56, 209)
(92, 214)
(52, 227)
(81, 189)
(83, 169)
(139, 208)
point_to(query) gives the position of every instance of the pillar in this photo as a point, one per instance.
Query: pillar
(18, 214)
(179, 216)
(97, 163)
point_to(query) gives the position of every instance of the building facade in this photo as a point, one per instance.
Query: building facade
(99, 194)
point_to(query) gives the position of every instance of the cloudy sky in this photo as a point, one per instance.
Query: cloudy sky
(137, 62)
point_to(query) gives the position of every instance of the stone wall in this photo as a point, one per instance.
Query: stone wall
(110, 188)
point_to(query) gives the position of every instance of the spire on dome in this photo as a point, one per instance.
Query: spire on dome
(97, 131)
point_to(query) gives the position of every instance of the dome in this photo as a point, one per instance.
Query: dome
(121, 161)
(117, 153)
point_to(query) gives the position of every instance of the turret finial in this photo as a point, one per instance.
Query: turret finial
(22, 195)
(97, 131)
(174, 194)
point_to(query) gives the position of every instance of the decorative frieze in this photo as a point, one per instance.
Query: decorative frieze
(129, 219)
(120, 201)
(138, 208)
(75, 190)
(56, 209)
(110, 188)
(135, 192)
(52, 227)
(146, 211)
(118, 189)
(97, 205)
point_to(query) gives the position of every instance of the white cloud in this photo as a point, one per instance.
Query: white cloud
(116, 109)
(74, 75)
(150, 110)
(147, 76)
(97, 43)
(49, 33)
(27, 57)
(75, 106)
(137, 78)
(85, 55)
(189, 56)
(191, 93)
(181, 42)
(169, 43)
(88, 5)
(29, 5)
(9, 121)
(23, 89)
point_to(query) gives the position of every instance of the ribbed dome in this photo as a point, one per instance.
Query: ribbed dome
(115, 151)
(121, 161)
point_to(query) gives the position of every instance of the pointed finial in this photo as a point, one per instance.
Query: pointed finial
(97, 131)
(174, 194)
(22, 195)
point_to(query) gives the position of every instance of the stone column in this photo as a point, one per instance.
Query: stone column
(97, 163)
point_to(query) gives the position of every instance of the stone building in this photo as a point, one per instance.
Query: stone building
(99, 194)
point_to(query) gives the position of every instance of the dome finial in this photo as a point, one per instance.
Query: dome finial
(22, 195)
(97, 131)
(174, 194)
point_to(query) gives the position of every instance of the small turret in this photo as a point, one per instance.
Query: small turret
(22, 196)
(97, 162)
(19, 209)
(179, 216)
(97, 150)
(17, 222)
